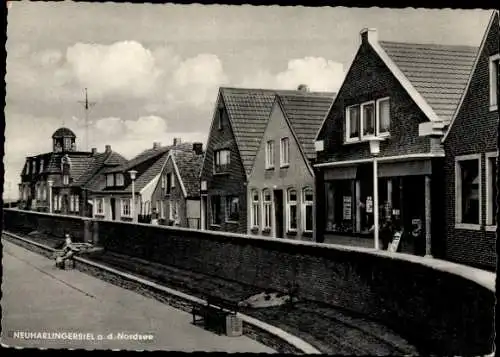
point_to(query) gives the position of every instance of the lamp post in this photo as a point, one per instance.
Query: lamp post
(50, 183)
(132, 177)
(375, 150)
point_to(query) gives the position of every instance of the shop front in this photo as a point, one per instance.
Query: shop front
(404, 197)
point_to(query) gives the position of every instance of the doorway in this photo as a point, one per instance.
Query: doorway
(204, 212)
(278, 213)
(113, 208)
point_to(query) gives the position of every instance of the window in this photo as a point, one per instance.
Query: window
(232, 208)
(59, 202)
(220, 112)
(384, 116)
(284, 152)
(221, 159)
(467, 190)
(172, 180)
(171, 211)
(41, 165)
(163, 179)
(255, 208)
(162, 209)
(169, 182)
(125, 203)
(267, 208)
(368, 119)
(216, 209)
(67, 144)
(291, 210)
(491, 189)
(56, 203)
(307, 210)
(110, 180)
(352, 123)
(77, 203)
(119, 179)
(494, 78)
(65, 179)
(270, 154)
(99, 206)
(72, 203)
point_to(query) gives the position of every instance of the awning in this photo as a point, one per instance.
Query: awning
(341, 173)
(405, 168)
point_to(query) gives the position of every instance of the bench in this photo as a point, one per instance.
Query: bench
(214, 313)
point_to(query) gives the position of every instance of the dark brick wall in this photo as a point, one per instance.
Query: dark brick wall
(407, 296)
(473, 131)
(231, 183)
(367, 79)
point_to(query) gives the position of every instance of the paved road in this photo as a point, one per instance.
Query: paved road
(37, 297)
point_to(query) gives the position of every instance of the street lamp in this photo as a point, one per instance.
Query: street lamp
(375, 150)
(50, 183)
(132, 177)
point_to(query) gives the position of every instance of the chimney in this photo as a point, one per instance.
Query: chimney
(94, 151)
(369, 35)
(108, 148)
(177, 141)
(198, 148)
(303, 88)
(156, 145)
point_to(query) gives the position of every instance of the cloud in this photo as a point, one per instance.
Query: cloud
(318, 73)
(124, 67)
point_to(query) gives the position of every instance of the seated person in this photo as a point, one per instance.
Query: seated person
(66, 252)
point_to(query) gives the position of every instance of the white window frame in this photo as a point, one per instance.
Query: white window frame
(163, 180)
(162, 209)
(378, 119)
(59, 202)
(172, 180)
(362, 119)
(267, 209)
(65, 179)
(305, 204)
(123, 207)
(289, 204)
(285, 152)
(217, 161)
(71, 203)
(490, 156)
(348, 139)
(120, 179)
(110, 180)
(77, 203)
(41, 165)
(458, 192)
(494, 81)
(171, 210)
(270, 154)
(255, 208)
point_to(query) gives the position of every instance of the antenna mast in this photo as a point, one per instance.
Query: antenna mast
(87, 105)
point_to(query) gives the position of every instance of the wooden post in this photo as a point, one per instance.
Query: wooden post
(428, 246)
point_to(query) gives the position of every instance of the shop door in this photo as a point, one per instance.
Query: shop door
(413, 215)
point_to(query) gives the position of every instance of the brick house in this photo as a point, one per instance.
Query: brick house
(403, 94)
(281, 183)
(471, 161)
(111, 190)
(238, 123)
(55, 181)
(177, 193)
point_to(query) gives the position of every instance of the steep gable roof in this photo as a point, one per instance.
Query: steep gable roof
(438, 72)
(248, 110)
(306, 113)
(100, 161)
(188, 164)
(494, 18)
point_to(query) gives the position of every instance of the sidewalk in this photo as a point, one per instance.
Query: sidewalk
(37, 297)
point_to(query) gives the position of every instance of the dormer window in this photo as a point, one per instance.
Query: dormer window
(65, 179)
(119, 179)
(110, 180)
(67, 144)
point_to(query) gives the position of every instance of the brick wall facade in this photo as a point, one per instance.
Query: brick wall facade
(405, 294)
(230, 183)
(474, 131)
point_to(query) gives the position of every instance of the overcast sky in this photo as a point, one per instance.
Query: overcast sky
(154, 70)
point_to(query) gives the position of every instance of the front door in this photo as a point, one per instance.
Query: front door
(414, 214)
(113, 208)
(278, 212)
